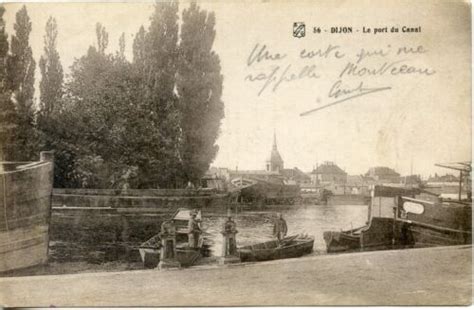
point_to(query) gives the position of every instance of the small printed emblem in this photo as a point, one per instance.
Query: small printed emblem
(299, 29)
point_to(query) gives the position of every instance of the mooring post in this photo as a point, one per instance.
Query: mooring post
(460, 185)
(47, 156)
(168, 258)
(229, 244)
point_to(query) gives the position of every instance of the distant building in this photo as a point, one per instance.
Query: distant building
(328, 172)
(216, 178)
(274, 162)
(357, 185)
(268, 176)
(295, 176)
(274, 181)
(446, 185)
(411, 179)
(443, 178)
(383, 175)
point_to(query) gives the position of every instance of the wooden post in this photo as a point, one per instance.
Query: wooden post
(460, 184)
(47, 156)
(229, 244)
(168, 257)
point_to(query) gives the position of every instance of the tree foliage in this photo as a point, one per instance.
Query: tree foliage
(51, 85)
(114, 123)
(161, 165)
(103, 96)
(102, 38)
(200, 88)
(21, 77)
(7, 109)
(139, 48)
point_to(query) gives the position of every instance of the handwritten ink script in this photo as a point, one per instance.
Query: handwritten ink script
(355, 69)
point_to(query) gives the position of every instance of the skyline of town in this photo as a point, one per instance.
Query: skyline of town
(436, 170)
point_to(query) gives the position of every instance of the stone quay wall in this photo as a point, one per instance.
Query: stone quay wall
(98, 225)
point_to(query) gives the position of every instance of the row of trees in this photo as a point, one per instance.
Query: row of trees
(113, 123)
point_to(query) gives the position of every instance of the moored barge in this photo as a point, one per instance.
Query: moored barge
(25, 208)
(409, 217)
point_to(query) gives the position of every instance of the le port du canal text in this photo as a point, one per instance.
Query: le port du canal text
(367, 30)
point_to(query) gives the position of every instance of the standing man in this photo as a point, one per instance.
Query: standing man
(194, 231)
(280, 228)
(229, 232)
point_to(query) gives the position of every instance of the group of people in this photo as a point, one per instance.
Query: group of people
(280, 228)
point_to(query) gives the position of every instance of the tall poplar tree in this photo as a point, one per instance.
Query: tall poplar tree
(199, 85)
(106, 125)
(160, 68)
(121, 52)
(102, 38)
(51, 103)
(51, 85)
(21, 73)
(139, 47)
(7, 109)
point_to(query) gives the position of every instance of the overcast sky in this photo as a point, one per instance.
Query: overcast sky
(422, 119)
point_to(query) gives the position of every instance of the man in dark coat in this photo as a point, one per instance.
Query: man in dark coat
(229, 231)
(279, 227)
(194, 231)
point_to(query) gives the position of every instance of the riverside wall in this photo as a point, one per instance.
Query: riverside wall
(107, 225)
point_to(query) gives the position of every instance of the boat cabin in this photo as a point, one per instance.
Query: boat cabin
(181, 220)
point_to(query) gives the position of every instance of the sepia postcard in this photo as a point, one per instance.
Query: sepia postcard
(235, 153)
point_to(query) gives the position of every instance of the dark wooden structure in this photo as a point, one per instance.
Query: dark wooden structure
(150, 249)
(289, 247)
(399, 218)
(25, 208)
(264, 192)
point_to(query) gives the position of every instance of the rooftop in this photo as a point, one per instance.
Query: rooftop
(328, 168)
(259, 172)
(382, 171)
(295, 173)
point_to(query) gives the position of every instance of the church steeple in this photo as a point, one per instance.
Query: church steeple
(275, 162)
(274, 141)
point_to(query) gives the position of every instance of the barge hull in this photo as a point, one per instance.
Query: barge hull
(25, 210)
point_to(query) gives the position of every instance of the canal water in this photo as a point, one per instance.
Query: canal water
(257, 226)
(67, 256)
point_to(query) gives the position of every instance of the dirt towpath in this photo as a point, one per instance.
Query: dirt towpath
(432, 276)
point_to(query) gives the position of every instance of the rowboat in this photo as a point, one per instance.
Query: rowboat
(186, 255)
(289, 247)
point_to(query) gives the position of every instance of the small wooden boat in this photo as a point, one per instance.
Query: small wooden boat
(289, 247)
(150, 252)
(187, 256)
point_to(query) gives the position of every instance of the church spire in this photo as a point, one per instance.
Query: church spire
(274, 162)
(274, 140)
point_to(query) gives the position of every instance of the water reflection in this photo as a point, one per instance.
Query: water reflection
(257, 226)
